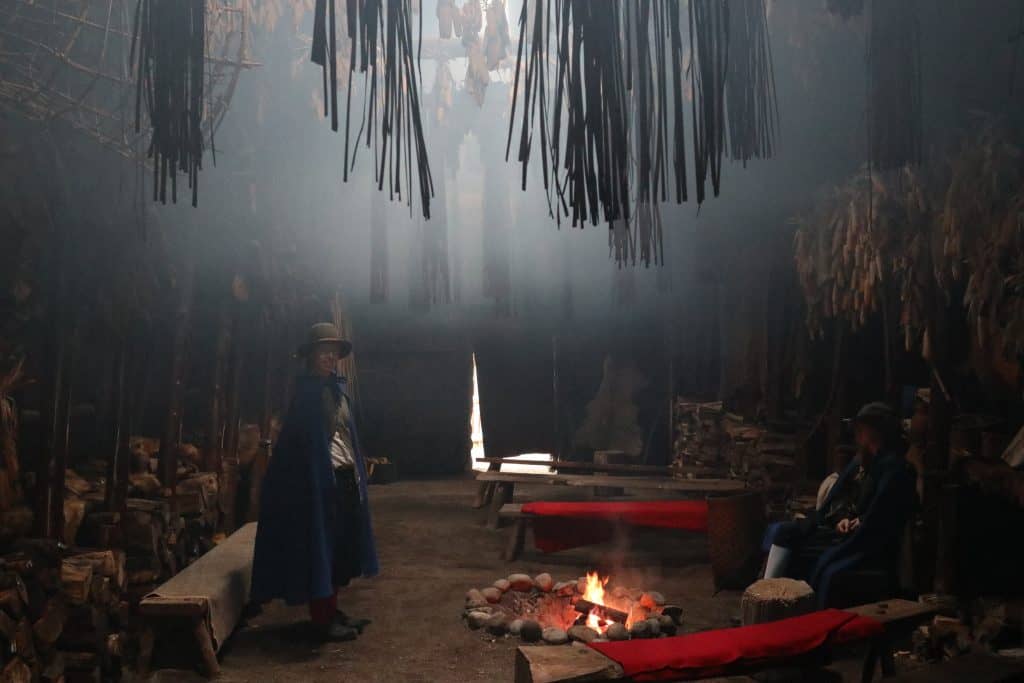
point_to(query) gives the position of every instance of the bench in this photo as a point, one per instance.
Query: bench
(504, 486)
(580, 664)
(203, 603)
(486, 489)
(976, 668)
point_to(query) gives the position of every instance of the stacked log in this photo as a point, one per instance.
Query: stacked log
(61, 613)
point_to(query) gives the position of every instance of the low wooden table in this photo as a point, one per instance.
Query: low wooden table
(581, 664)
(505, 482)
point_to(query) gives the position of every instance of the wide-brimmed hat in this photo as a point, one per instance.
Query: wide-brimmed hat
(325, 333)
(880, 416)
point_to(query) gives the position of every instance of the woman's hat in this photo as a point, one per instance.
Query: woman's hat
(325, 333)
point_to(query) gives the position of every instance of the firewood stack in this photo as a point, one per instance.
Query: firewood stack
(723, 444)
(62, 613)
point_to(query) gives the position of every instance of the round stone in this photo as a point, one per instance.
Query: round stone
(654, 626)
(583, 634)
(503, 585)
(520, 583)
(497, 625)
(564, 589)
(475, 598)
(530, 631)
(492, 595)
(667, 624)
(544, 582)
(555, 636)
(617, 632)
(641, 629)
(516, 627)
(675, 612)
(651, 599)
(477, 619)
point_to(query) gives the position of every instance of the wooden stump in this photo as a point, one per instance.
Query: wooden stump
(773, 599)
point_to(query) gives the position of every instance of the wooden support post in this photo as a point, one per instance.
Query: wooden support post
(171, 437)
(516, 540)
(215, 424)
(119, 466)
(262, 459)
(502, 494)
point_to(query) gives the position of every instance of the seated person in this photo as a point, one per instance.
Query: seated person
(862, 519)
(843, 455)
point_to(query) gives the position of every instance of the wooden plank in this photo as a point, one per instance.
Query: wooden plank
(977, 668)
(593, 480)
(895, 611)
(582, 466)
(157, 606)
(511, 510)
(576, 664)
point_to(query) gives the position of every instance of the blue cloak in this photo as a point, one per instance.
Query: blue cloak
(881, 528)
(298, 533)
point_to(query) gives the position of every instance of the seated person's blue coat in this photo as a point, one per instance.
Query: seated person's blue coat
(883, 518)
(298, 531)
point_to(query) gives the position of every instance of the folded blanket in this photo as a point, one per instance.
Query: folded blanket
(560, 526)
(720, 652)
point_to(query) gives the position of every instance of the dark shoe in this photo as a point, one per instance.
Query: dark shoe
(337, 633)
(358, 624)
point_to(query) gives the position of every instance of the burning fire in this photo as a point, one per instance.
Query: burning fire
(595, 594)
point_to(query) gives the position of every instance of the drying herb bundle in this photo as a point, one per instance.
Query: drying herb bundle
(894, 85)
(750, 86)
(589, 73)
(871, 231)
(167, 52)
(380, 33)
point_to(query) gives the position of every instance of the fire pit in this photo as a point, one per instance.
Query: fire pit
(586, 609)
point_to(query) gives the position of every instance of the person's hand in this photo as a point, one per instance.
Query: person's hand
(844, 526)
(854, 523)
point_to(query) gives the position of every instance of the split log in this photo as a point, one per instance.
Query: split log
(50, 625)
(76, 580)
(106, 563)
(23, 644)
(773, 599)
(53, 670)
(11, 602)
(17, 671)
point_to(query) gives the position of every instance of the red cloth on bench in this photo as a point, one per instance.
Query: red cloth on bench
(560, 526)
(719, 652)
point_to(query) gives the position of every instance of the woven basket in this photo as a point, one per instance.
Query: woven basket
(736, 525)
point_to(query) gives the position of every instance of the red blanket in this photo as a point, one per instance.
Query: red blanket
(717, 653)
(560, 526)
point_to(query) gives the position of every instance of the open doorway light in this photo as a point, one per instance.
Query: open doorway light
(477, 451)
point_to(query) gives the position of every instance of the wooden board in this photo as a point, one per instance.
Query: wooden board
(593, 480)
(976, 668)
(574, 664)
(895, 611)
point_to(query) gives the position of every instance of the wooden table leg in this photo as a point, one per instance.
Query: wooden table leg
(484, 493)
(516, 540)
(209, 665)
(502, 494)
(146, 642)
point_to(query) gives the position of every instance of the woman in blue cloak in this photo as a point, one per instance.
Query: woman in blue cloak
(314, 533)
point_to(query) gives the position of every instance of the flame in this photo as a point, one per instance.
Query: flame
(595, 594)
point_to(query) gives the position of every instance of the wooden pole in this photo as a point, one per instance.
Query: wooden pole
(169, 441)
(215, 424)
(120, 466)
(262, 459)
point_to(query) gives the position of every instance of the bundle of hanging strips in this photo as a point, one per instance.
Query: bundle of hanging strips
(168, 49)
(380, 36)
(589, 73)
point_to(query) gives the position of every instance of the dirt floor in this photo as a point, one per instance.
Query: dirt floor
(433, 548)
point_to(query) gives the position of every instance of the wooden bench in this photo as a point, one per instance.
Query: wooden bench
(504, 486)
(976, 668)
(521, 523)
(204, 602)
(486, 489)
(581, 664)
